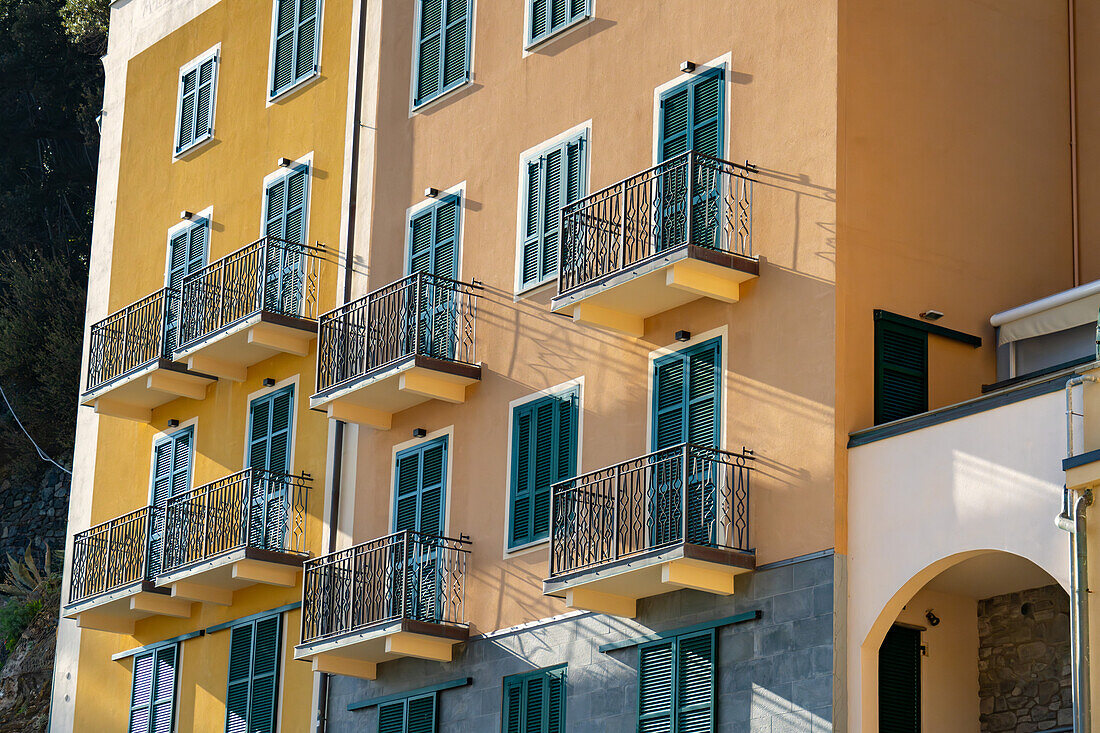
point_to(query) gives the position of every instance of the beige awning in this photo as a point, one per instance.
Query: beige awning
(1057, 312)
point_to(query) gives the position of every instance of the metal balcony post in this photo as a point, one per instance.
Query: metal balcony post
(615, 516)
(419, 295)
(684, 498)
(622, 228)
(689, 194)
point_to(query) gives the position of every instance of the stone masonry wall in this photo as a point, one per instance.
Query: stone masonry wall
(774, 674)
(33, 515)
(1024, 661)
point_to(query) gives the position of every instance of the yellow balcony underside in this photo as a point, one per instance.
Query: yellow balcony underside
(358, 654)
(374, 399)
(118, 610)
(615, 588)
(134, 396)
(623, 300)
(227, 353)
(214, 580)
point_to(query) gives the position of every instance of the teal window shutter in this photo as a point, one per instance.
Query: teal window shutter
(692, 117)
(544, 452)
(901, 371)
(196, 104)
(548, 17)
(433, 239)
(172, 457)
(534, 702)
(442, 47)
(676, 679)
(153, 696)
(186, 255)
(285, 207)
(411, 715)
(295, 47)
(899, 692)
(555, 179)
(687, 396)
(419, 490)
(270, 421)
(253, 676)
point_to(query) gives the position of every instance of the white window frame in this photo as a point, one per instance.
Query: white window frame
(269, 82)
(530, 44)
(415, 109)
(213, 53)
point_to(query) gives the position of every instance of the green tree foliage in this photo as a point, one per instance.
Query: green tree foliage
(51, 82)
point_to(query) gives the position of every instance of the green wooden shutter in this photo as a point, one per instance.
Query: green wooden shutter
(282, 66)
(901, 371)
(534, 702)
(429, 50)
(692, 117)
(239, 679)
(171, 477)
(285, 206)
(687, 396)
(418, 494)
(695, 682)
(443, 47)
(253, 676)
(544, 452)
(305, 61)
(899, 681)
(391, 717)
(455, 42)
(188, 96)
(421, 714)
(656, 680)
(295, 46)
(270, 431)
(555, 701)
(186, 256)
(550, 16)
(530, 269)
(554, 180)
(153, 696)
(433, 239)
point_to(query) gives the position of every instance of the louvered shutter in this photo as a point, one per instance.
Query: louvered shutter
(443, 47)
(899, 681)
(421, 714)
(282, 65)
(535, 702)
(431, 491)
(555, 701)
(305, 62)
(430, 50)
(265, 675)
(164, 690)
(186, 256)
(171, 477)
(188, 96)
(687, 397)
(142, 693)
(655, 688)
(391, 717)
(539, 25)
(530, 268)
(420, 485)
(420, 242)
(239, 679)
(544, 452)
(534, 690)
(513, 705)
(554, 180)
(550, 16)
(695, 683)
(668, 395)
(553, 200)
(901, 371)
(270, 436)
(285, 219)
(522, 439)
(675, 124)
(703, 395)
(433, 239)
(455, 45)
(204, 100)
(407, 494)
(692, 117)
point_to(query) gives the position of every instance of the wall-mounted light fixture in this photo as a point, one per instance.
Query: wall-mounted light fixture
(419, 432)
(187, 215)
(933, 619)
(687, 67)
(269, 382)
(285, 162)
(173, 423)
(683, 335)
(931, 315)
(431, 193)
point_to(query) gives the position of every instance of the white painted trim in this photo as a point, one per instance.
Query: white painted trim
(273, 100)
(306, 161)
(558, 389)
(525, 158)
(459, 189)
(448, 432)
(724, 62)
(530, 47)
(202, 218)
(166, 433)
(216, 54)
(723, 379)
(263, 391)
(415, 109)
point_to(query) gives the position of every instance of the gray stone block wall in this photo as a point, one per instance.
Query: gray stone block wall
(775, 674)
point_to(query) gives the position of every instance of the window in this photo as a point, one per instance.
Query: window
(433, 238)
(692, 117)
(411, 715)
(535, 702)
(901, 371)
(548, 17)
(296, 44)
(153, 696)
(553, 179)
(270, 420)
(676, 684)
(899, 681)
(544, 452)
(443, 35)
(186, 256)
(418, 494)
(286, 199)
(172, 457)
(195, 113)
(687, 397)
(250, 699)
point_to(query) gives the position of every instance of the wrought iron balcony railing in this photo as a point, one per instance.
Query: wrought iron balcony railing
(422, 314)
(405, 576)
(688, 493)
(112, 555)
(270, 275)
(253, 508)
(131, 338)
(689, 199)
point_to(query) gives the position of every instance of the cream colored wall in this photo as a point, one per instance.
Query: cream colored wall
(779, 359)
(949, 669)
(925, 500)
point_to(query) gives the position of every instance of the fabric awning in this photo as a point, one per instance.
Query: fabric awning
(1057, 312)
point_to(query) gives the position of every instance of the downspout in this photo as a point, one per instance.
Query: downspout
(1071, 11)
(1072, 520)
(349, 262)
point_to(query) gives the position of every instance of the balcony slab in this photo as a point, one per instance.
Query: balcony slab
(116, 611)
(213, 580)
(358, 653)
(135, 395)
(622, 300)
(228, 352)
(374, 398)
(614, 588)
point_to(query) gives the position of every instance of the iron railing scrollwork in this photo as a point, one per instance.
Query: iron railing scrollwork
(689, 199)
(253, 508)
(422, 314)
(111, 555)
(406, 575)
(272, 275)
(130, 338)
(687, 493)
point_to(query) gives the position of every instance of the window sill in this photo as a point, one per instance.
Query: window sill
(281, 95)
(428, 103)
(535, 289)
(194, 148)
(532, 46)
(526, 548)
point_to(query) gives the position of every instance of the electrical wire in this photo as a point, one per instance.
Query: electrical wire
(41, 453)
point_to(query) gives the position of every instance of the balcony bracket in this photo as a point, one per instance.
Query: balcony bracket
(105, 622)
(607, 603)
(712, 579)
(220, 369)
(615, 320)
(280, 338)
(177, 384)
(253, 571)
(345, 667)
(114, 408)
(706, 280)
(202, 593)
(404, 644)
(359, 414)
(161, 605)
(420, 382)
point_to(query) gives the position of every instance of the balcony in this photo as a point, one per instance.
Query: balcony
(401, 345)
(677, 518)
(244, 529)
(674, 233)
(130, 367)
(397, 596)
(113, 567)
(248, 306)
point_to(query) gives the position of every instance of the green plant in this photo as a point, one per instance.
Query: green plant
(15, 616)
(25, 578)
